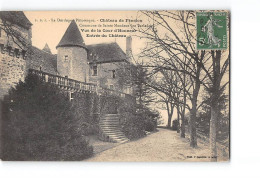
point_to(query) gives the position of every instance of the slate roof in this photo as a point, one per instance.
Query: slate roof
(72, 37)
(97, 53)
(16, 17)
(46, 48)
(41, 60)
(105, 53)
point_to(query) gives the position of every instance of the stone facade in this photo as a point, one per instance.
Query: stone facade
(13, 55)
(107, 76)
(12, 70)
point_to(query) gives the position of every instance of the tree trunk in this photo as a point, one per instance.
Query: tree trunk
(216, 56)
(169, 121)
(183, 124)
(193, 117)
(213, 131)
(193, 112)
(183, 118)
(169, 115)
(178, 119)
(193, 132)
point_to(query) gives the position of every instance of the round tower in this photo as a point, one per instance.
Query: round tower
(72, 54)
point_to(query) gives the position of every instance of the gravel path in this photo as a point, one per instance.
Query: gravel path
(164, 145)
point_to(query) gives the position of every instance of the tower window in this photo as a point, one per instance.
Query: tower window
(113, 73)
(94, 73)
(111, 87)
(66, 58)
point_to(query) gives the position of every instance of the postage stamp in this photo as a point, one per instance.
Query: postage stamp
(211, 30)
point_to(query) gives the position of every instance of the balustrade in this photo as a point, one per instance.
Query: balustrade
(71, 84)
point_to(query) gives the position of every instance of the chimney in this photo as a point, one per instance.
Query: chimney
(128, 48)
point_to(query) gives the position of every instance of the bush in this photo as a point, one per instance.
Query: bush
(150, 118)
(136, 122)
(175, 124)
(133, 125)
(85, 113)
(39, 124)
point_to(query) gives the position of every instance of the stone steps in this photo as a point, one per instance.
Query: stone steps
(111, 129)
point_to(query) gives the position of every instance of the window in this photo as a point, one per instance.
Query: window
(112, 87)
(66, 58)
(113, 73)
(94, 73)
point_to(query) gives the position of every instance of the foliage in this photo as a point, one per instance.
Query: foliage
(109, 104)
(136, 122)
(137, 77)
(204, 115)
(151, 119)
(84, 107)
(136, 117)
(39, 124)
(175, 124)
(132, 125)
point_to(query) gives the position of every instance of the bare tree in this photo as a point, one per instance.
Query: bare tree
(167, 47)
(171, 46)
(14, 34)
(164, 84)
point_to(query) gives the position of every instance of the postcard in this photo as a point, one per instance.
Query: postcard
(121, 86)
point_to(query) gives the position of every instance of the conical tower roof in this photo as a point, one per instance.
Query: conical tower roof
(72, 37)
(46, 48)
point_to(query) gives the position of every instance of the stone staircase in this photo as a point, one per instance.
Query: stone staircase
(110, 129)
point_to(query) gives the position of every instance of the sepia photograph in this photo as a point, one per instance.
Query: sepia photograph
(115, 86)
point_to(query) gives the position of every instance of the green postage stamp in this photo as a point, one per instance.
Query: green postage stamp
(211, 30)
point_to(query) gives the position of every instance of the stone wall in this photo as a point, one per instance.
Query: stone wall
(12, 57)
(105, 75)
(12, 70)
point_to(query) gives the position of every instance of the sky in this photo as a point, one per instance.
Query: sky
(49, 27)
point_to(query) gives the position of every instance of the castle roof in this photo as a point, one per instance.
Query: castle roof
(46, 48)
(41, 60)
(72, 37)
(105, 53)
(16, 17)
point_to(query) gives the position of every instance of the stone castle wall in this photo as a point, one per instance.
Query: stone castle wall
(12, 58)
(105, 75)
(12, 70)
(75, 66)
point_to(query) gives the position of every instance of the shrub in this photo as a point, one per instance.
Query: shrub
(175, 124)
(150, 118)
(136, 122)
(38, 124)
(85, 113)
(133, 125)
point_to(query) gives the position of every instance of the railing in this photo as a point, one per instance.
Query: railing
(74, 84)
(64, 82)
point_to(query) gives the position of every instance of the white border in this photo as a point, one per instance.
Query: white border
(245, 97)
